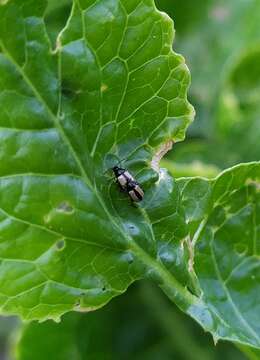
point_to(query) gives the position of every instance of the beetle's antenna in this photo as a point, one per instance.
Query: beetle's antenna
(106, 171)
(118, 163)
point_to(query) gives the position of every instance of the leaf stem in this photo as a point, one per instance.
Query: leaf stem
(164, 278)
(174, 324)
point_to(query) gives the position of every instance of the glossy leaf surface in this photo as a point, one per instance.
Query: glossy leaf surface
(224, 218)
(112, 89)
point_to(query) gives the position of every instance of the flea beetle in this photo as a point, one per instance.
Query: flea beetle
(128, 184)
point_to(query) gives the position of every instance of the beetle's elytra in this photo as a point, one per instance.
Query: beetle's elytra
(128, 184)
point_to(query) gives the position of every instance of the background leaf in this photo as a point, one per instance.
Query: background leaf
(216, 38)
(96, 86)
(142, 324)
(223, 217)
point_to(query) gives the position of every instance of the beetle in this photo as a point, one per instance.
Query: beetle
(122, 176)
(128, 184)
(135, 191)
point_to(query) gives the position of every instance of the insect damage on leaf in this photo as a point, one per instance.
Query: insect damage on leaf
(160, 153)
(113, 89)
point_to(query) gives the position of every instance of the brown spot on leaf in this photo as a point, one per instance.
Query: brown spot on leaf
(160, 154)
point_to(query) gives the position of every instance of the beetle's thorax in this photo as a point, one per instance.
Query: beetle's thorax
(118, 171)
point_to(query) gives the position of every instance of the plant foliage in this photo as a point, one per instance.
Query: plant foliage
(113, 90)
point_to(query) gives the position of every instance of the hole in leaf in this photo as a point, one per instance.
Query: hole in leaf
(67, 91)
(60, 244)
(65, 207)
(77, 303)
(47, 218)
(133, 229)
(241, 249)
(103, 88)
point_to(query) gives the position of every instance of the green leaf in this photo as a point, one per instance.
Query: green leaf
(179, 12)
(55, 18)
(222, 51)
(224, 222)
(251, 353)
(112, 89)
(195, 168)
(238, 111)
(211, 40)
(50, 340)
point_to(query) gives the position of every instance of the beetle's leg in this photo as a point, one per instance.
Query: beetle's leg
(134, 204)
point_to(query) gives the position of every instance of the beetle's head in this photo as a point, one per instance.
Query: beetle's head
(118, 171)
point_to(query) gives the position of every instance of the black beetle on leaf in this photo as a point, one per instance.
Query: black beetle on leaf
(128, 184)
